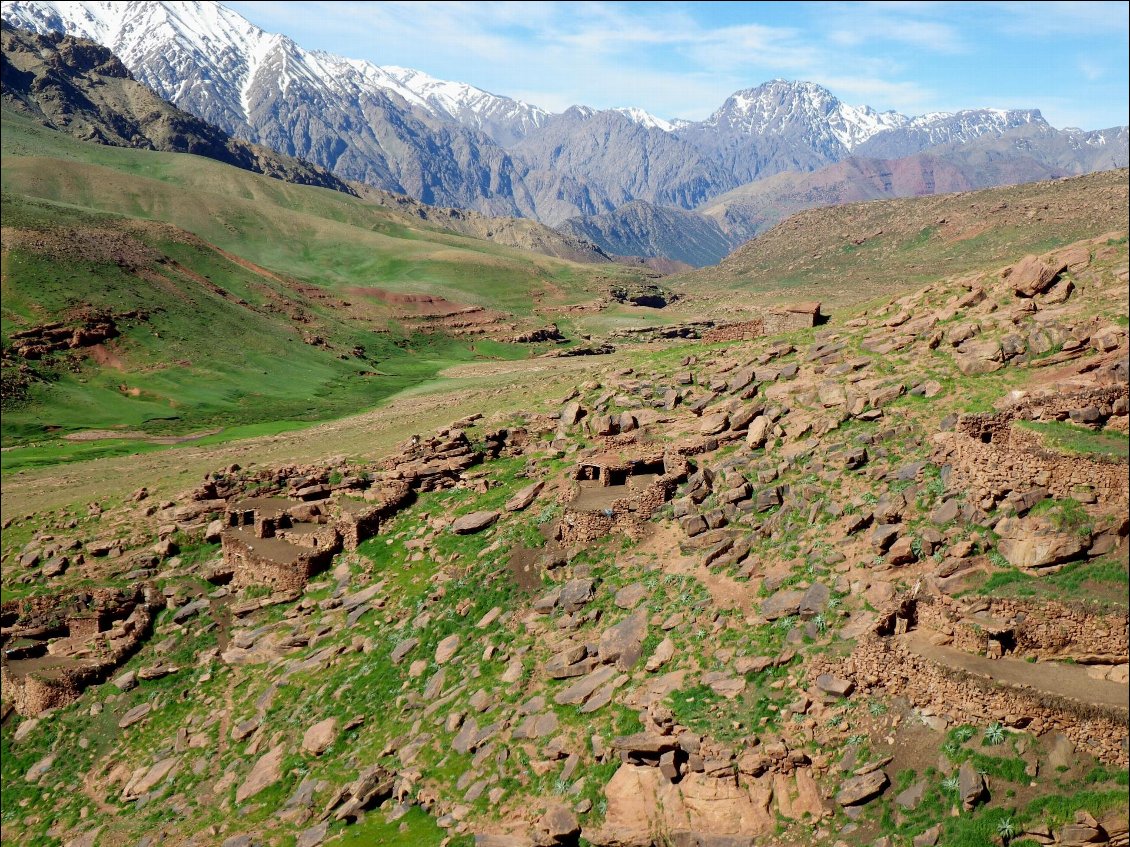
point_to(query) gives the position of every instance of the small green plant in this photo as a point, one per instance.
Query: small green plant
(1006, 829)
(951, 783)
(876, 708)
(994, 733)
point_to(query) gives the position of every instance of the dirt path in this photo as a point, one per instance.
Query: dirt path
(486, 387)
(1062, 680)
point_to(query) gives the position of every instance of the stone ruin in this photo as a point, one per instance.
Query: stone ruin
(264, 543)
(282, 541)
(54, 647)
(994, 628)
(774, 320)
(992, 457)
(619, 491)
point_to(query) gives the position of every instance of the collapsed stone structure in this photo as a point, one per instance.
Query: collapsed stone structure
(992, 456)
(55, 646)
(619, 491)
(1047, 630)
(995, 627)
(281, 542)
(775, 319)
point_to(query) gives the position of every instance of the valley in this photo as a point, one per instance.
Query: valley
(437, 474)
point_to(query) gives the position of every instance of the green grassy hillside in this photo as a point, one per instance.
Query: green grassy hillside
(263, 301)
(317, 235)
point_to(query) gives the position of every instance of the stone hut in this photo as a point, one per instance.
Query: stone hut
(619, 491)
(55, 646)
(264, 545)
(992, 455)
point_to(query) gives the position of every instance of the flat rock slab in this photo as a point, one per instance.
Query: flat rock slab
(134, 715)
(474, 522)
(782, 604)
(266, 772)
(525, 497)
(446, 649)
(583, 688)
(629, 596)
(860, 789)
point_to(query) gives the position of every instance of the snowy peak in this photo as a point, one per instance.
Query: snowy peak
(468, 105)
(646, 119)
(818, 115)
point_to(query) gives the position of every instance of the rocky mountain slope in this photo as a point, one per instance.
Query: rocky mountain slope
(451, 144)
(81, 88)
(855, 583)
(1025, 154)
(646, 229)
(863, 250)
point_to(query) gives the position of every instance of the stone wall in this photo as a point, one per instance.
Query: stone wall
(743, 331)
(250, 566)
(991, 455)
(35, 691)
(883, 663)
(1045, 629)
(626, 514)
(771, 322)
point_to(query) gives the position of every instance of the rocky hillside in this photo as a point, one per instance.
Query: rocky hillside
(78, 87)
(645, 229)
(855, 583)
(839, 253)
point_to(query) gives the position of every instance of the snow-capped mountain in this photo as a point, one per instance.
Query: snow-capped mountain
(645, 119)
(502, 118)
(812, 113)
(351, 116)
(452, 144)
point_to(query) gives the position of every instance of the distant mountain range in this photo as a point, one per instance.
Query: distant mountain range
(452, 144)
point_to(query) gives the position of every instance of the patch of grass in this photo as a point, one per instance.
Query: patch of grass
(1065, 515)
(1065, 437)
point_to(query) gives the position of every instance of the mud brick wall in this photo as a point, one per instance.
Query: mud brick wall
(967, 698)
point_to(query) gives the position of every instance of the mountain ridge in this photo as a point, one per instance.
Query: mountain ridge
(452, 144)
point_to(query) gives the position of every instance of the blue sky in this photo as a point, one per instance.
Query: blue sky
(681, 60)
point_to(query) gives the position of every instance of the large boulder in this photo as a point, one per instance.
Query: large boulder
(623, 642)
(970, 785)
(1033, 542)
(1032, 275)
(320, 736)
(474, 522)
(557, 826)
